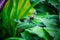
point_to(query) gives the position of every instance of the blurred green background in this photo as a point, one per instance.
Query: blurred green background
(29, 19)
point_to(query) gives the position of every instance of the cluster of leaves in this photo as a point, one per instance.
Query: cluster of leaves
(43, 26)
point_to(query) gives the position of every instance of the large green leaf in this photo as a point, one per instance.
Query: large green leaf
(28, 36)
(46, 19)
(40, 32)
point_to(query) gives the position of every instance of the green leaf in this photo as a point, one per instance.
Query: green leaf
(54, 2)
(26, 35)
(30, 7)
(40, 32)
(14, 38)
(20, 10)
(46, 19)
(57, 35)
(52, 31)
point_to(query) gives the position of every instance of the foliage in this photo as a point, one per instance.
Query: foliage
(30, 20)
